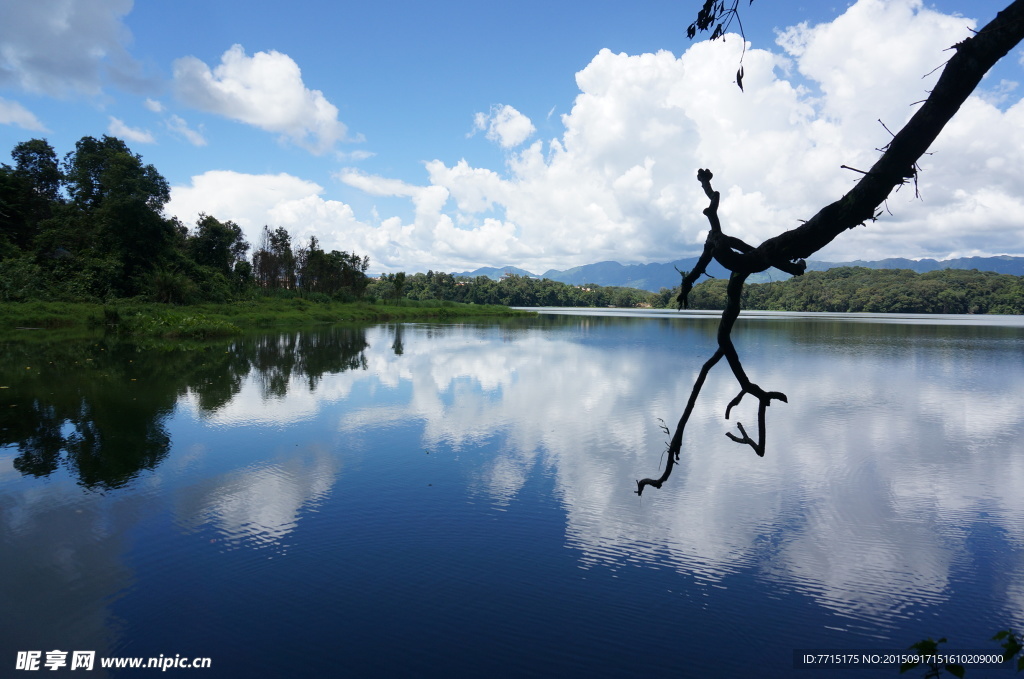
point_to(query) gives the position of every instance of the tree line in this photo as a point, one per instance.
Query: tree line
(511, 290)
(843, 289)
(90, 227)
(859, 289)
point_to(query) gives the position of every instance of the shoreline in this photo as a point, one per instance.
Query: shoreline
(199, 321)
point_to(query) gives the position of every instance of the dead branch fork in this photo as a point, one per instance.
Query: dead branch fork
(742, 260)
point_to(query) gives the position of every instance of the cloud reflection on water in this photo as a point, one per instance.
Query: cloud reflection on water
(896, 450)
(876, 471)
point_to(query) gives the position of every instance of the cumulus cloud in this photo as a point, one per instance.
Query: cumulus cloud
(118, 128)
(620, 182)
(243, 198)
(298, 205)
(265, 90)
(59, 47)
(505, 125)
(253, 201)
(13, 113)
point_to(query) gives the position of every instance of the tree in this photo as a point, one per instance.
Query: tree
(37, 161)
(218, 245)
(116, 208)
(28, 192)
(897, 165)
(274, 262)
(397, 281)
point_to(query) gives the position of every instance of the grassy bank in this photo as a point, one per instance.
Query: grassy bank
(212, 320)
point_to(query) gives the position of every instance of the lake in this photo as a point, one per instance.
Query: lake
(459, 499)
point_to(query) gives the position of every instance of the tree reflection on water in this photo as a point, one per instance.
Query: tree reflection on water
(98, 407)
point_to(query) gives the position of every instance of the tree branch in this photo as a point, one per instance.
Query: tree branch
(787, 251)
(716, 244)
(974, 57)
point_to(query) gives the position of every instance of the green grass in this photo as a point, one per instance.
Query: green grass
(201, 321)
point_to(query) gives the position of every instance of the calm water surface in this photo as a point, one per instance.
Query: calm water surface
(457, 500)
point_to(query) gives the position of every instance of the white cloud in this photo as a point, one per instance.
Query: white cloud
(118, 128)
(253, 201)
(59, 47)
(245, 199)
(153, 105)
(620, 182)
(178, 126)
(505, 125)
(355, 156)
(264, 90)
(13, 113)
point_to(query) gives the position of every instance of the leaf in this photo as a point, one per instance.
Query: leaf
(955, 670)
(1001, 635)
(739, 77)
(907, 666)
(1020, 663)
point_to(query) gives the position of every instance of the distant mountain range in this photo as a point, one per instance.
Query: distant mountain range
(653, 277)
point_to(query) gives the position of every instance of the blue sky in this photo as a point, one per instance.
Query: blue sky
(452, 135)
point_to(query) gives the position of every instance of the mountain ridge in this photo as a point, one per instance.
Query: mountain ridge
(655, 276)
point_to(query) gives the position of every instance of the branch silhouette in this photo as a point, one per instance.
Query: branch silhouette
(787, 252)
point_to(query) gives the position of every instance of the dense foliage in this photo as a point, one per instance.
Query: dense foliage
(951, 291)
(90, 228)
(857, 289)
(511, 290)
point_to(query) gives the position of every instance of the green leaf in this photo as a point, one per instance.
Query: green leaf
(1001, 635)
(907, 666)
(1020, 663)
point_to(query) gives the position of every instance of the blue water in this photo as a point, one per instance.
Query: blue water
(457, 500)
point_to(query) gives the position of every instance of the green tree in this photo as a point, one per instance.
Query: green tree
(28, 193)
(37, 161)
(274, 262)
(218, 245)
(397, 281)
(115, 209)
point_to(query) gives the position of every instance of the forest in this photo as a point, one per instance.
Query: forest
(843, 289)
(90, 228)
